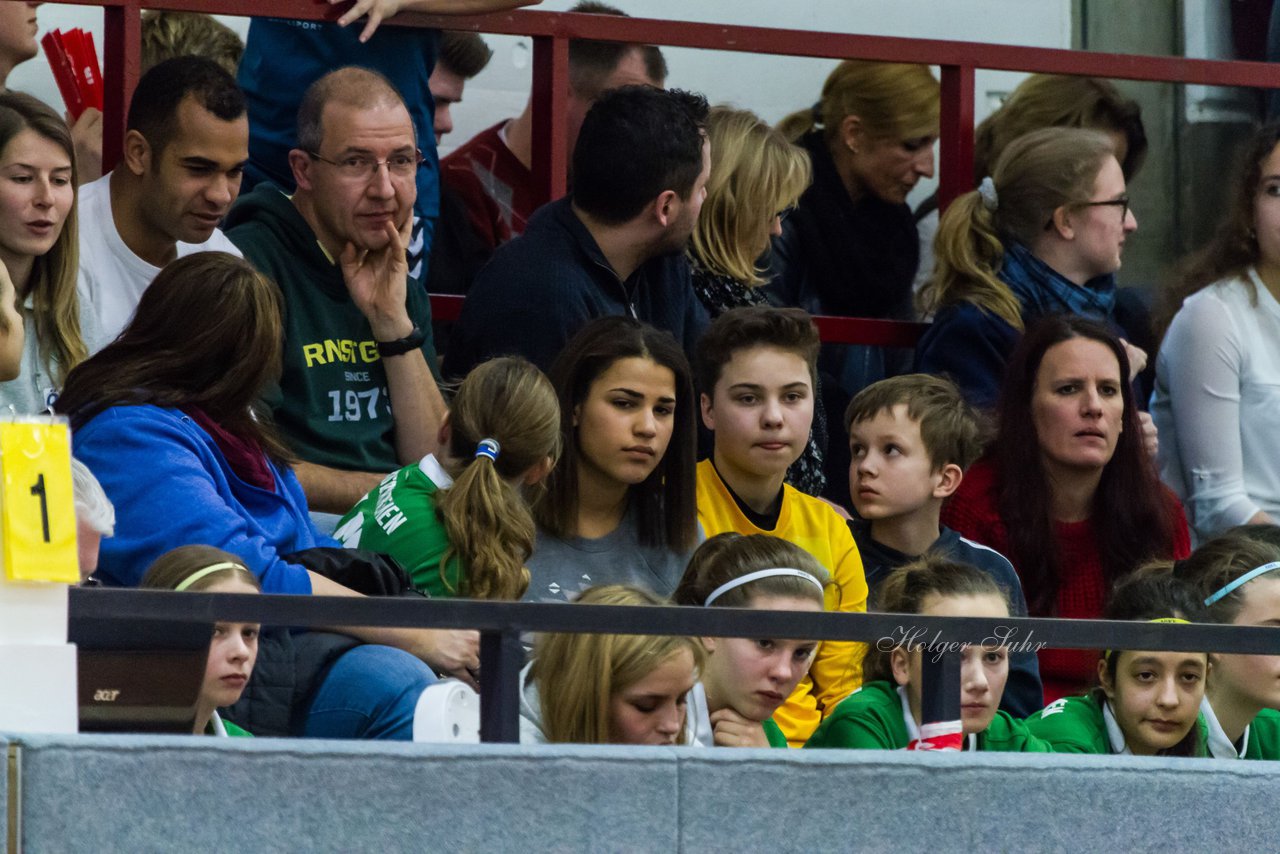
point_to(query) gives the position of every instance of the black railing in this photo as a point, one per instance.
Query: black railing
(501, 623)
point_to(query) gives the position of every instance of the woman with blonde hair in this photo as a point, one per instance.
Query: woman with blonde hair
(39, 245)
(757, 181)
(460, 525)
(608, 689)
(1042, 235)
(851, 248)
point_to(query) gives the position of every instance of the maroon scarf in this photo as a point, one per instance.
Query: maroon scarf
(245, 457)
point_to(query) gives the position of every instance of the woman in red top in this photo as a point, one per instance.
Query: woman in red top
(1066, 491)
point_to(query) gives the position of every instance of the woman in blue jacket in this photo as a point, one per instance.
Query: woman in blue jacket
(166, 417)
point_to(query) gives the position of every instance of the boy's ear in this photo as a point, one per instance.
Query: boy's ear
(708, 413)
(949, 478)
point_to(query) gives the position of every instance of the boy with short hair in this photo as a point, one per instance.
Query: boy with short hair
(756, 369)
(911, 438)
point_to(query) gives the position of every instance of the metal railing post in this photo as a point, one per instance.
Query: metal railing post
(550, 101)
(501, 657)
(939, 684)
(956, 140)
(121, 61)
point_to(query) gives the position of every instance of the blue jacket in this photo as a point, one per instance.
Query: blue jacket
(542, 287)
(171, 486)
(972, 347)
(1023, 693)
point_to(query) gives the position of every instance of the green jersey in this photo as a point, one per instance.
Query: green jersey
(1080, 725)
(398, 518)
(1261, 737)
(774, 734)
(875, 718)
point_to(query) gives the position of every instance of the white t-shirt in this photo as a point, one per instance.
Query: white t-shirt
(112, 278)
(1217, 404)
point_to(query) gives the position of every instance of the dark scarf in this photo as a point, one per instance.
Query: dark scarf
(861, 255)
(245, 457)
(1042, 290)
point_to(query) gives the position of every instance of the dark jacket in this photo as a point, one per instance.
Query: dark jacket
(1023, 693)
(542, 287)
(972, 347)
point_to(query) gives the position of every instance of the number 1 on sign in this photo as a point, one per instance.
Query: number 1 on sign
(38, 490)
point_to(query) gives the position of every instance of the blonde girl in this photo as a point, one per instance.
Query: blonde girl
(609, 689)
(462, 526)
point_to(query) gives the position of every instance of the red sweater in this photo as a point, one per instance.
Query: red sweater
(973, 512)
(496, 188)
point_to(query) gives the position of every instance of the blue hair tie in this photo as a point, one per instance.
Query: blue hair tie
(488, 448)
(1227, 589)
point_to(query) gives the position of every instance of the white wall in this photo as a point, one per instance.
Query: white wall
(772, 86)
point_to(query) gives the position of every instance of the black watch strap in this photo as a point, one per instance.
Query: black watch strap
(400, 346)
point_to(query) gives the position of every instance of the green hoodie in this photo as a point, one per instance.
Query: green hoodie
(331, 404)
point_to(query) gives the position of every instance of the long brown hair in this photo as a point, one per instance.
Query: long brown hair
(1130, 511)
(490, 525)
(52, 283)
(665, 503)
(206, 334)
(894, 101)
(1234, 247)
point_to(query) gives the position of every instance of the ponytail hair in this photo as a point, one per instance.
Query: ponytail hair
(894, 101)
(907, 587)
(1034, 176)
(729, 556)
(489, 524)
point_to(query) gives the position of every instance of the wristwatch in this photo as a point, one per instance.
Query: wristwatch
(400, 346)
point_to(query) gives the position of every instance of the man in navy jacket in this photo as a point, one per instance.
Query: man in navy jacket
(614, 246)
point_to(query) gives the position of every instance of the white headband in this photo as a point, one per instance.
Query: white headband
(756, 576)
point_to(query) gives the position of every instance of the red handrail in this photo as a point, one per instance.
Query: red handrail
(551, 32)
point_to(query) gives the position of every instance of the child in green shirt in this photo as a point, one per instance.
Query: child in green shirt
(1147, 703)
(745, 680)
(234, 647)
(885, 713)
(459, 525)
(1236, 574)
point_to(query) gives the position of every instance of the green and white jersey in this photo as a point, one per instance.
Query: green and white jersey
(878, 717)
(398, 518)
(1261, 738)
(1085, 725)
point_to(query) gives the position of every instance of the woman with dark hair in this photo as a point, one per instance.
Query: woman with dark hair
(620, 506)
(1216, 400)
(1067, 491)
(167, 418)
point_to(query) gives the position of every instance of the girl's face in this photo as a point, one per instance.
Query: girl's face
(1100, 229)
(983, 669)
(1254, 679)
(232, 653)
(1266, 211)
(36, 193)
(651, 711)
(1155, 696)
(755, 677)
(13, 333)
(625, 423)
(1077, 405)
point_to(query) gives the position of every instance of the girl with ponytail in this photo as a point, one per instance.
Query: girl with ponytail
(1041, 235)
(461, 526)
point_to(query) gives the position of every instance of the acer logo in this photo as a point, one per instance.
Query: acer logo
(106, 695)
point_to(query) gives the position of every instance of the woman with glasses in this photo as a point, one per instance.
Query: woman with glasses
(1217, 401)
(1043, 234)
(756, 180)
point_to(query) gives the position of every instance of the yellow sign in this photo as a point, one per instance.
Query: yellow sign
(37, 507)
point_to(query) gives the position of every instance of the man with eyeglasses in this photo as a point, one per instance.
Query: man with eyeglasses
(185, 146)
(357, 397)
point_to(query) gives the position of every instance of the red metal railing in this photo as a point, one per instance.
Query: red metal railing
(551, 32)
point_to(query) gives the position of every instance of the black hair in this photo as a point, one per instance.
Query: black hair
(153, 111)
(637, 142)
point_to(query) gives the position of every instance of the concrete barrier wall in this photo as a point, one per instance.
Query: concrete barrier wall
(163, 794)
